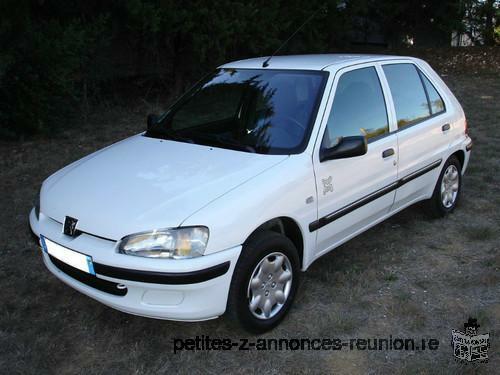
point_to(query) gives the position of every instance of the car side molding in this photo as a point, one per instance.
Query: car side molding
(325, 220)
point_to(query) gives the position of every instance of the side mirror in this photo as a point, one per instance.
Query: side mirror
(346, 148)
(152, 120)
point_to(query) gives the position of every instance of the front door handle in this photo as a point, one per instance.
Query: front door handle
(387, 153)
(445, 127)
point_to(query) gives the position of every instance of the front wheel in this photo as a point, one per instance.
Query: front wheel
(265, 281)
(447, 190)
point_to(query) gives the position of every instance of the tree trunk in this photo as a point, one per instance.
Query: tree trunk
(489, 29)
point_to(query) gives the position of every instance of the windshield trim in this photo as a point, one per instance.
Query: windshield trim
(275, 151)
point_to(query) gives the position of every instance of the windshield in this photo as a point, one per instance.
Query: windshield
(253, 110)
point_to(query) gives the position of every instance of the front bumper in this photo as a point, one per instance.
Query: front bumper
(187, 290)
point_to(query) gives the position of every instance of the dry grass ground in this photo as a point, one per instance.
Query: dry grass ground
(409, 277)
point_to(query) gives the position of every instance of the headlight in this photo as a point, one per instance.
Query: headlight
(176, 243)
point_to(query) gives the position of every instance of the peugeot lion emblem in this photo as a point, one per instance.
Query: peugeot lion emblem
(327, 185)
(70, 226)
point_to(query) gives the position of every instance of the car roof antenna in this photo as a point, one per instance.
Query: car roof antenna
(265, 64)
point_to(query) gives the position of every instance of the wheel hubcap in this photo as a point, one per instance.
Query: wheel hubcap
(449, 186)
(269, 285)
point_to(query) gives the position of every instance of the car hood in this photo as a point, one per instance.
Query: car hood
(143, 183)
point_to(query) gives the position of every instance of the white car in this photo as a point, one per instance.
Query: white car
(256, 172)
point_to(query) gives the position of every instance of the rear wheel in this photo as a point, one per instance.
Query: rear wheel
(447, 190)
(265, 281)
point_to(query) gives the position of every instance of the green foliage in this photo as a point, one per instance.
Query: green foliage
(43, 65)
(481, 20)
(58, 56)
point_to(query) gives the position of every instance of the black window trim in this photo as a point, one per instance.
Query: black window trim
(419, 121)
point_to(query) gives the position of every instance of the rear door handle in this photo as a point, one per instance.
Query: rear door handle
(387, 153)
(445, 127)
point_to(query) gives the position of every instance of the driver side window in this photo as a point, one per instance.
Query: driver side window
(358, 108)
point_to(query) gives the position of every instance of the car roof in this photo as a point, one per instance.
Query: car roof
(307, 62)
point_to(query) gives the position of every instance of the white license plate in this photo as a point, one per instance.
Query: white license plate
(70, 257)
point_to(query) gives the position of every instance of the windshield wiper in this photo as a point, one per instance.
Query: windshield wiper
(207, 139)
(236, 144)
(169, 135)
(223, 141)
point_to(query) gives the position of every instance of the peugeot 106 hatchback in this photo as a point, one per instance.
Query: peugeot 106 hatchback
(256, 172)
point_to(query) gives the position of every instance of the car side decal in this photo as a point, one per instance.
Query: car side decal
(327, 185)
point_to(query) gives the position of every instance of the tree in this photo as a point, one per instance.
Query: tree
(480, 20)
(489, 11)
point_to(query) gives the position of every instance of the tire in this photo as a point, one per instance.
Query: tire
(276, 255)
(438, 205)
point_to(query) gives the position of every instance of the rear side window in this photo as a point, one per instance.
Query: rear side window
(358, 107)
(408, 93)
(435, 100)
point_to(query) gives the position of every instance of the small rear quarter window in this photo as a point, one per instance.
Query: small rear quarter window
(435, 100)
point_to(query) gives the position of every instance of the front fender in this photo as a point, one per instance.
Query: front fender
(279, 191)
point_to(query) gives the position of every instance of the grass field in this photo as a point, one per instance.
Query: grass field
(407, 277)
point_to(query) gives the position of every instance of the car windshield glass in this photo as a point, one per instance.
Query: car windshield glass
(252, 110)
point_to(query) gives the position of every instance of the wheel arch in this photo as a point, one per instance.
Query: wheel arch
(287, 227)
(460, 154)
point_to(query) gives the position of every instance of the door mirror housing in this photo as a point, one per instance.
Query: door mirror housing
(151, 121)
(347, 147)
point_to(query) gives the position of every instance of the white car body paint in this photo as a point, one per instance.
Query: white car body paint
(142, 184)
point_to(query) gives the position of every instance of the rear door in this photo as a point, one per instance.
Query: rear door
(354, 192)
(423, 130)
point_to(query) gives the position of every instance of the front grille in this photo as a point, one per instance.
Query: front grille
(80, 231)
(87, 279)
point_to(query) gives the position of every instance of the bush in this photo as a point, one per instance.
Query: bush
(45, 71)
(55, 58)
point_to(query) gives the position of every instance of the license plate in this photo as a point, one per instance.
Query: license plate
(70, 257)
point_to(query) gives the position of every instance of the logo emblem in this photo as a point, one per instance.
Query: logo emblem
(327, 185)
(69, 227)
(470, 346)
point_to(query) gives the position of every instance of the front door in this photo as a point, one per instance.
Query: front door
(355, 192)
